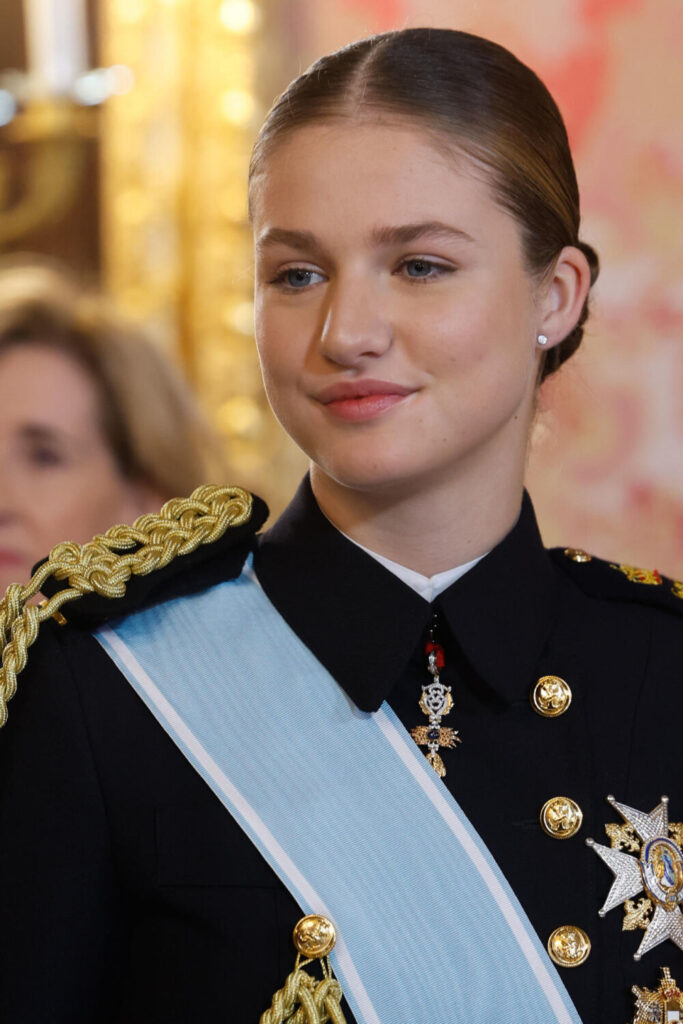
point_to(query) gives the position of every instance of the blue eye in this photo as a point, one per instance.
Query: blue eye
(297, 278)
(419, 268)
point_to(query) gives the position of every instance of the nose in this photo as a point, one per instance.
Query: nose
(355, 326)
(8, 510)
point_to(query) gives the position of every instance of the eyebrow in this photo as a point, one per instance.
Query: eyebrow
(49, 434)
(294, 239)
(40, 433)
(38, 430)
(401, 234)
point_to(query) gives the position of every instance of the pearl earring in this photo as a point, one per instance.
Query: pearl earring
(542, 340)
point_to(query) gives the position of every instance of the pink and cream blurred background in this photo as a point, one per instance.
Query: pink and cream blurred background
(159, 144)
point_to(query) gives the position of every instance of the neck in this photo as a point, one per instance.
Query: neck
(426, 528)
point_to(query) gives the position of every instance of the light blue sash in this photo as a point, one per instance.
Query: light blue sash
(345, 809)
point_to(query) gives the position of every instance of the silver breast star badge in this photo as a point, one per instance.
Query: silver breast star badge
(658, 870)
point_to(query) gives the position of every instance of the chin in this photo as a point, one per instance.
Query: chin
(363, 470)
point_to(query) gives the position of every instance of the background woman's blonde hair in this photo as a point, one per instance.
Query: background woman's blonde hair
(149, 416)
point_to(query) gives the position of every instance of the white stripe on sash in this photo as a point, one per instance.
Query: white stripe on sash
(233, 800)
(405, 748)
(345, 809)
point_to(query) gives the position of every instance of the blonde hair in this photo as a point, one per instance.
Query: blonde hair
(148, 414)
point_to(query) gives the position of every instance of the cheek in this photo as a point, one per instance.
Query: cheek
(68, 513)
(460, 342)
(483, 330)
(267, 339)
(281, 350)
(483, 364)
(270, 371)
(60, 512)
(84, 501)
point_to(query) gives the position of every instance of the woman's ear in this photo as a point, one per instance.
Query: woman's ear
(564, 293)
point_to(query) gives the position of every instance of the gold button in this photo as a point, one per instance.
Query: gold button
(314, 936)
(569, 946)
(551, 696)
(561, 817)
(577, 555)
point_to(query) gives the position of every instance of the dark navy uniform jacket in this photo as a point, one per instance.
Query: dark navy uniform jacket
(127, 892)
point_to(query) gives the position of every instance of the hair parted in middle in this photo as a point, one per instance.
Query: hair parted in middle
(475, 97)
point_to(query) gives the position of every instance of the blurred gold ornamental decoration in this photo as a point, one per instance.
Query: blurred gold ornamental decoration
(175, 108)
(177, 240)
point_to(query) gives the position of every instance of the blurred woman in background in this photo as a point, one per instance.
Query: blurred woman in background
(96, 426)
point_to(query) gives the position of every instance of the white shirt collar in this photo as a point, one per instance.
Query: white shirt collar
(428, 587)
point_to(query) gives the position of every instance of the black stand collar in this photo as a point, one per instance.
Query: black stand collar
(364, 624)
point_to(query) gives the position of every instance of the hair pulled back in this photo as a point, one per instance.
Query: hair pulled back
(474, 94)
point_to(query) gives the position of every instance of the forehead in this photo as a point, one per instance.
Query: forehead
(345, 173)
(39, 380)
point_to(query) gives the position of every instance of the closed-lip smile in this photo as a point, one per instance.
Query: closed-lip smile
(362, 388)
(360, 400)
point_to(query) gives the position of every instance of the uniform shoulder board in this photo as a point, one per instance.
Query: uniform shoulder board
(128, 567)
(619, 582)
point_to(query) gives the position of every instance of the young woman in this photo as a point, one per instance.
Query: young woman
(393, 708)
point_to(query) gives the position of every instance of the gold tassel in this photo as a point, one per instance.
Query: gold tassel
(303, 999)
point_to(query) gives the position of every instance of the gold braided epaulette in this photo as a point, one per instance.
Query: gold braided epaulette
(106, 563)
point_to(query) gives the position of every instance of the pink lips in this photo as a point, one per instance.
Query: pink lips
(361, 400)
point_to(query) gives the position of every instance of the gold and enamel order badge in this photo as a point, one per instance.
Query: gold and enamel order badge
(662, 1006)
(653, 865)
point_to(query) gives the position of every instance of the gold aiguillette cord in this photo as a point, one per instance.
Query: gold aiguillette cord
(304, 999)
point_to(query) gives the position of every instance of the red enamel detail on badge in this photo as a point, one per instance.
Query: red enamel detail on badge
(438, 649)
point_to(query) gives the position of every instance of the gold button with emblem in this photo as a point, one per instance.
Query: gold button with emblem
(561, 817)
(577, 555)
(569, 946)
(551, 696)
(314, 936)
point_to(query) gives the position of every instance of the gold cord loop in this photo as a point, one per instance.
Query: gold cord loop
(318, 1001)
(303, 999)
(99, 567)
